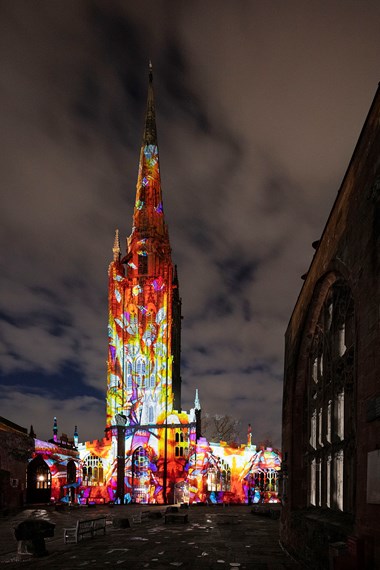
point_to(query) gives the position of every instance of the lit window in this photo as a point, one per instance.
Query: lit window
(129, 375)
(140, 372)
(93, 473)
(182, 447)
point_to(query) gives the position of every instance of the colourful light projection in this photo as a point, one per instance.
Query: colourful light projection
(150, 453)
(140, 309)
(57, 461)
(219, 473)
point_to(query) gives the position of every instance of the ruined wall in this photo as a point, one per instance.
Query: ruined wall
(350, 249)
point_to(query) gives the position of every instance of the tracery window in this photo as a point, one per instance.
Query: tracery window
(213, 479)
(140, 475)
(93, 471)
(226, 477)
(43, 476)
(143, 263)
(181, 447)
(129, 375)
(331, 440)
(140, 372)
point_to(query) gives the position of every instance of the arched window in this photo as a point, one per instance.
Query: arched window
(226, 477)
(140, 475)
(182, 447)
(140, 372)
(71, 471)
(93, 472)
(38, 481)
(143, 263)
(129, 375)
(331, 402)
(213, 479)
(150, 414)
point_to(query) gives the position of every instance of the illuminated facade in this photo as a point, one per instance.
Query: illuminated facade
(153, 451)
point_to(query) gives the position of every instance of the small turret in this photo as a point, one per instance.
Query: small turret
(116, 247)
(197, 403)
(76, 437)
(55, 430)
(198, 415)
(32, 432)
(249, 435)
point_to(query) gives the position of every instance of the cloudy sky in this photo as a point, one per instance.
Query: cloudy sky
(259, 106)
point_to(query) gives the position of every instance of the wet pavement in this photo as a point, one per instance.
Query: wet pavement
(213, 538)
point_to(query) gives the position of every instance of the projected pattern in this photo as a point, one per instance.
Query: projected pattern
(150, 453)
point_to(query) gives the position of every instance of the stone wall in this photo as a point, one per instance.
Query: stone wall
(350, 249)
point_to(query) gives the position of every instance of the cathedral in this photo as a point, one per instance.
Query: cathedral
(152, 451)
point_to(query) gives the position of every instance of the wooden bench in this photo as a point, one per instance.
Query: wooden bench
(85, 527)
(176, 517)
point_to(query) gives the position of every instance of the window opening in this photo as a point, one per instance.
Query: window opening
(331, 402)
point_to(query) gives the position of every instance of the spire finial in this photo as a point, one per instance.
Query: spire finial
(55, 429)
(76, 437)
(150, 132)
(197, 402)
(116, 246)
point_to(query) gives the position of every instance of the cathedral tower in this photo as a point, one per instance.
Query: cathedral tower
(143, 376)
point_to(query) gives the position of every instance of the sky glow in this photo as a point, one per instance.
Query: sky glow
(258, 106)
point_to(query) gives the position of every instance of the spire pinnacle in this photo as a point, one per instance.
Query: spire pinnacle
(76, 437)
(116, 246)
(197, 402)
(55, 429)
(150, 131)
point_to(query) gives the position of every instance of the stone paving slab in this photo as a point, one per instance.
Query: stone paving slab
(212, 539)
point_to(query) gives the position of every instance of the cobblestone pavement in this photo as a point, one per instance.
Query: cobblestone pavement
(213, 538)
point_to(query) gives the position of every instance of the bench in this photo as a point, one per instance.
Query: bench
(176, 517)
(86, 527)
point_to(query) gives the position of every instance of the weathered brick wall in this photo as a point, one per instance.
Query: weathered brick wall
(16, 447)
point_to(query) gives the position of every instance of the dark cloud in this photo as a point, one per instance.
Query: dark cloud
(259, 106)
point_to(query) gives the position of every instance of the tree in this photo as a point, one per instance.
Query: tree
(220, 427)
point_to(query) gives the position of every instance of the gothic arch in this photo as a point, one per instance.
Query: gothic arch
(140, 475)
(38, 480)
(71, 475)
(300, 395)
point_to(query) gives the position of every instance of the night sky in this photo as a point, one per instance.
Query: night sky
(259, 106)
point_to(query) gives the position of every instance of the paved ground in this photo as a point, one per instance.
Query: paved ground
(214, 538)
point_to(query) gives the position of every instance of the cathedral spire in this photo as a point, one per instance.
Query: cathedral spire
(148, 216)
